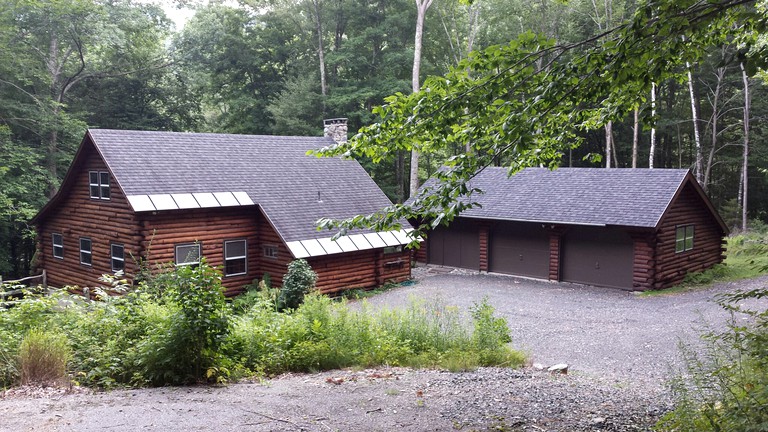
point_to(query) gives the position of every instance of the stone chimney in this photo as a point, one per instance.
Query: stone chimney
(336, 129)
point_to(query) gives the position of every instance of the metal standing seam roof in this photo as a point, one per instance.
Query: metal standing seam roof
(179, 170)
(581, 196)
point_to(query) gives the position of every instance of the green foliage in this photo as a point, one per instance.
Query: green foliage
(725, 386)
(43, 357)
(324, 334)
(298, 281)
(188, 352)
(530, 101)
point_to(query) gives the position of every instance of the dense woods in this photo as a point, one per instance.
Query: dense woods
(281, 67)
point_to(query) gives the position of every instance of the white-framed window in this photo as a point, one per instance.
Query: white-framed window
(86, 256)
(58, 245)
(188, 254)
(98, 184)
(117, 251)
(683, 238)
(235, 257)
(270, 251)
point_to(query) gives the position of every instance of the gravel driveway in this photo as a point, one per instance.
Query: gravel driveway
(619, 345)
(602, 332)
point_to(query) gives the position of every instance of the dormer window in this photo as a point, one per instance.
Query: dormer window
(99, 184)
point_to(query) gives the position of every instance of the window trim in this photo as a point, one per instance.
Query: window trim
(113, 258)
(240, 257)
(192, 263)
(688, 234)
(54, 245)
(99, 185)
(88, 252)
(269, 247)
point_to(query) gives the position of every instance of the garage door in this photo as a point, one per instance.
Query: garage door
(597, 256)
(519, 249)
(457, 245)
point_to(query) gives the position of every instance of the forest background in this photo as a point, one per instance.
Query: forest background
(282, 66)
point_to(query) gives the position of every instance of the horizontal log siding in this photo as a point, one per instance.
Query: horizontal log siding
(77, 215)
(394, 267)
(707, 251)
(276, 267)
(343, 271)
(644, 261)
(210, 227)
(420, 254)
(555, 236)
(483, 230)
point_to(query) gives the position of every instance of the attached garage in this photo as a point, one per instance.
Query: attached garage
(597, 256)
(455, 246)
(618, 228)
(519, 249)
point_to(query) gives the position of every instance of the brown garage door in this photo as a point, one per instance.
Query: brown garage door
(519, 249)
(457, 245)
(597, 256)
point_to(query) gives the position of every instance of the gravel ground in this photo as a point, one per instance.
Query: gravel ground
(619, 346)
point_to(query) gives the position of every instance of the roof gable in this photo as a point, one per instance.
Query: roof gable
(581, 196)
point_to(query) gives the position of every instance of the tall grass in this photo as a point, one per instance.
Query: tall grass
(325, 334)
(43, 358)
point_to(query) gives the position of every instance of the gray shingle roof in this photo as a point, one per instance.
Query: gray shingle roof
(273, 170)
(584, 196)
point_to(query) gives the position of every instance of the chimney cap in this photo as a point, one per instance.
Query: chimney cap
(341, 120)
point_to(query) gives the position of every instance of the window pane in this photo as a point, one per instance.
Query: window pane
(93, 177)
(104, 178)
(85, 257)
(117, 265)
(105, 192)
(234, 266)
(85, 244)
(58, 252)
(679, 245)
(187, 254)
(234, 249)
(118, 251)
(94, 191)
(679, 233)
(689, 243)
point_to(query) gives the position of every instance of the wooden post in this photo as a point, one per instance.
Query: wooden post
(45, 280)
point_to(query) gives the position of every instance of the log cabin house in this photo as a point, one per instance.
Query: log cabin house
(246, 203)
(635, 229)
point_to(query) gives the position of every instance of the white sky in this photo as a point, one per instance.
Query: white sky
(181, 16)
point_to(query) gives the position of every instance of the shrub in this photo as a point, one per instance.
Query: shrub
(298, 281)
(43, 357)
(188, 350)
(725, 387)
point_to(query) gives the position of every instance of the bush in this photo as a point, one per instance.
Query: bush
(299, 280)
(725, 387)
(43, 357)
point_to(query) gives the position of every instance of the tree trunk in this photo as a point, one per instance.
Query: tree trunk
(720, 75)
(653, 129)
(695, 118)
(608, 143)
(320, 49)
(635, 137)
(421, 7)
(745, 161)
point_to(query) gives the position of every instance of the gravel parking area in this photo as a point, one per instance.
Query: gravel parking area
(607, 333)
(620, 348)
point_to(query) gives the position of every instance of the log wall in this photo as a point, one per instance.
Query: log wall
(644, 260)
(162, 232)
(483, 231)
(687, 209)
(360, 270)
(78, 215)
